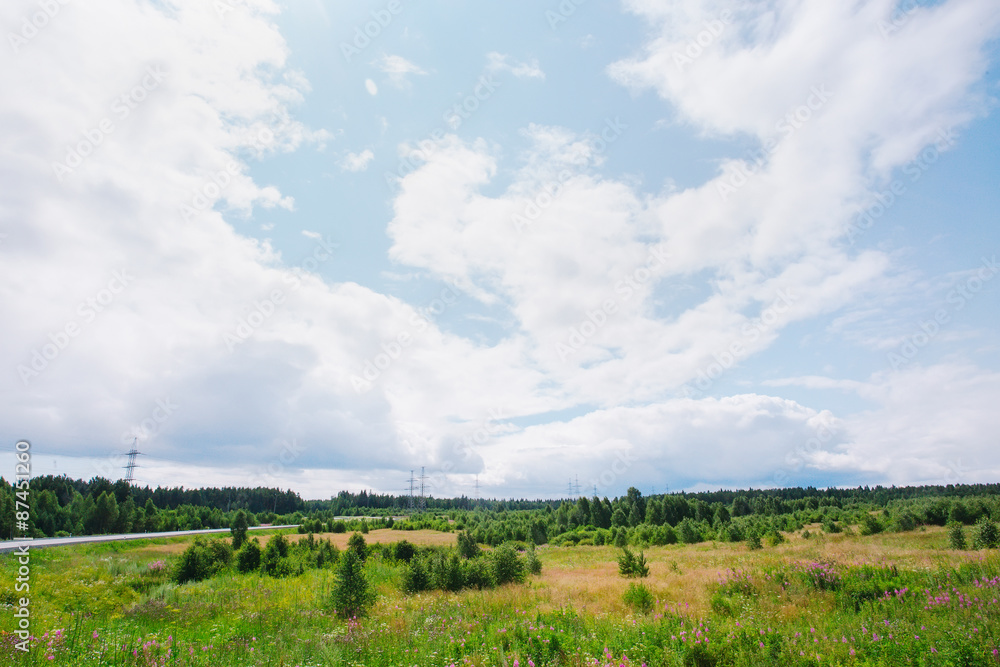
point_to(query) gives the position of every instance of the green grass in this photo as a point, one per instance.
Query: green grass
(104, 605)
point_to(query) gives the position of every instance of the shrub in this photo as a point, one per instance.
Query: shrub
(467, 546)
(274, 561)
(956, 536)
(630, 565)
(248, 558)
(338, 527)
(508, 567)
(753, 541)
(905, 521)
(358, 545)
(477, 574)
(531, 561)
(621, 538)
(866, 583)
(202, 560)
(239, 528)
(403, 551)
(985, 534)
(415, 577)
(352, 595)
(773, 538)
(193, 564)
(639, 598)
(870, 525)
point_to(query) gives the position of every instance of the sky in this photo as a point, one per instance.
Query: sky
(533, 249)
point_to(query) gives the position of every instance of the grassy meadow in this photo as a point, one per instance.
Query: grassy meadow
(831, 599)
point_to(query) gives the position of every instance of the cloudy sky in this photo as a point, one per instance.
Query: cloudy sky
(675, 244)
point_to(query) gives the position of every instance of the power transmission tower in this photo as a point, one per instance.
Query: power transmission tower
(423, 500)
(409, 499)
(578, 485)
(131, 465)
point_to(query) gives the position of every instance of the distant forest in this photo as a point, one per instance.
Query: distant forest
(63, 506)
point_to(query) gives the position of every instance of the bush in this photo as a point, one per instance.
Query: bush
(248, 558)
(274, 561)
(531, 561)
(956, 536)
(639, 598)
(630, 565)
(773, 538)
(415, 577)
(870, 524)
(478, 574)
(508, 567)
(193, 564)
(753, 541)
(338, 527)
(352, 595)
(403, 551)
(358, 545)
(985, 534)
(239, 528)
(467, 546)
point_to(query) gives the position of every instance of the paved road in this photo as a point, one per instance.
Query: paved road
(86, 539)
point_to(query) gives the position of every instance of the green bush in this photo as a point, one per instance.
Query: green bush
(415, 577)
(403, 551)
(358, 545)
(202, 560)
(238, 529)
(508, 567)
(531, 561)
(248, 558)
(338, 527)
(753, 541)
(630, 565)
(639, 598)
(477, 573)
(467, 546)
(352, 594)
(985, 535)
(274, 561)
(870, 525)
(956, 536)
(866, 583)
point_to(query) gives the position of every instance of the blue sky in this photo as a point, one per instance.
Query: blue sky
(639, 255)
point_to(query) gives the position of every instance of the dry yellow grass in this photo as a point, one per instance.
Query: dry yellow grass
(586, 577)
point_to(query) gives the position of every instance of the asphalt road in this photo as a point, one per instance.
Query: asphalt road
(87, 539)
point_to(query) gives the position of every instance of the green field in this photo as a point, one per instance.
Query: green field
(887, 599)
